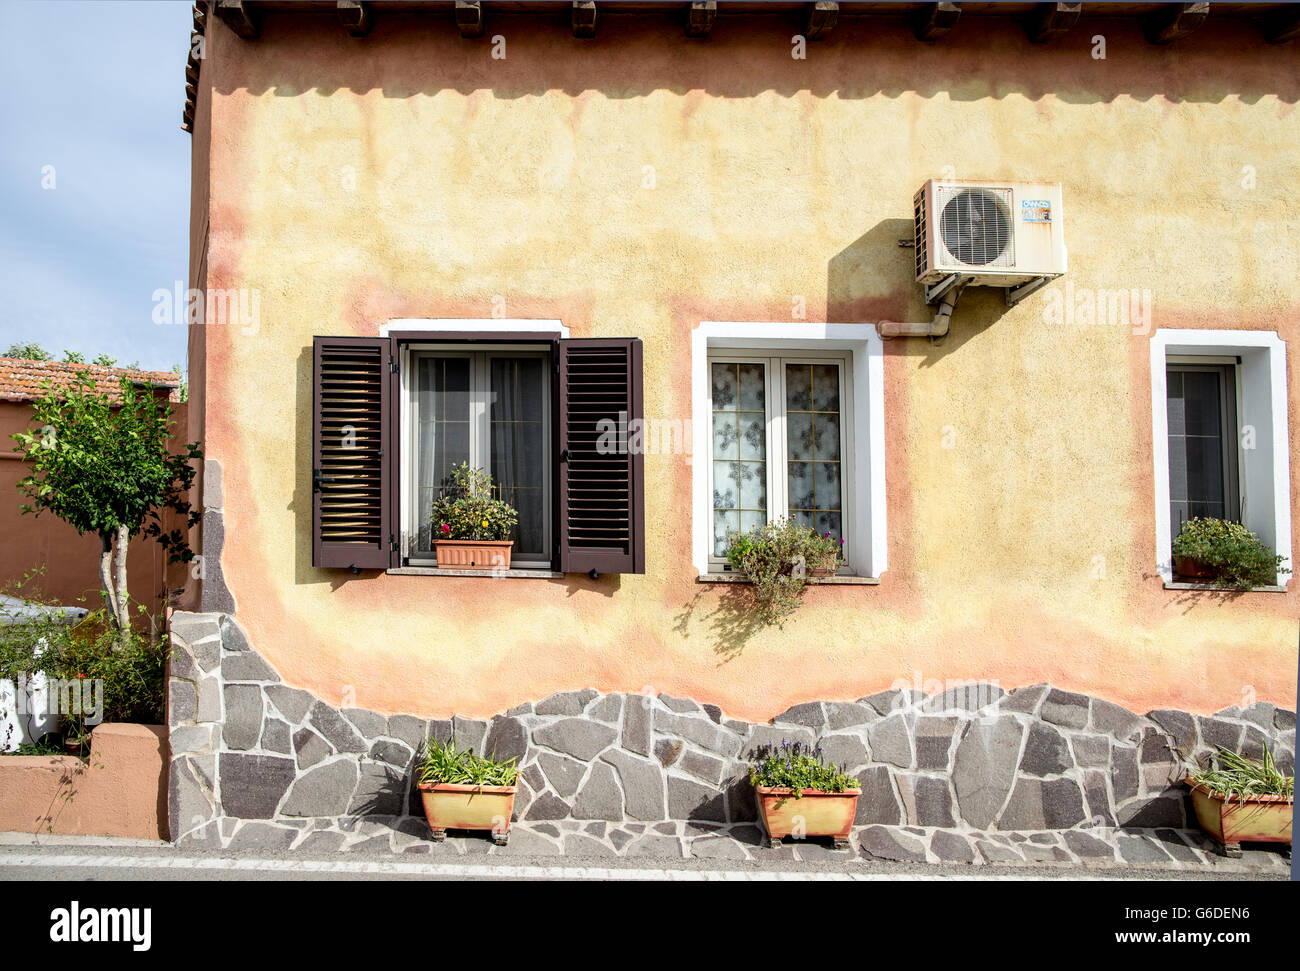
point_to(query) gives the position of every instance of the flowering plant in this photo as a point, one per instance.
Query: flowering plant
(1240, 558)
(796, 766)
(778, 558)
(467, 508)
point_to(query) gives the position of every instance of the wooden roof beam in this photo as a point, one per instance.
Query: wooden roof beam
(354, 17)
(469, 18)
(819, 19)
(700, 17)
(935, 20)
(1174, 20)
(243, 18)
(1050, 20)
(582, 17)
(1281, 25)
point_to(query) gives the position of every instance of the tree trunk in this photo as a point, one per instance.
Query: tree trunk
(106, 576)
(123, 598)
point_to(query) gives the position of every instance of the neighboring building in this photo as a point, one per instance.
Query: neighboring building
(28, 542)
(468, 234)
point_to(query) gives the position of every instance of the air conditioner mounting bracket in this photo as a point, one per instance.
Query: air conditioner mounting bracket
(1016, 294)
(934, 292)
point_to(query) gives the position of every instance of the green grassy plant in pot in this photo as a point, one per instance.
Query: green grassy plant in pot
(779, 559)
(471, 524)
(1225, 554)
(1243, 800)
(463, 790)
(800, 794)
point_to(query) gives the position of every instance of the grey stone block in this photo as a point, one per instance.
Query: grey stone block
(636, 724)
(891, 701)
(642, 784)
(208, 708)
(698, 729)
(599, 797)
(309, 748)
(1088, 847)
(690, 800)
(681, 705)
(607, 709)
(1165, 810)
(998, 852)
(547, 805)
(564, 774)
(577, 845)
(243, 725)
(392, 752)
(336, 730)
(704, 767)
(890, 740)
(809, 715)
(233, 638)
(247, 666)
(716, 848)
(773, 737)
(1025, 700)
(189, 805)
(577, 737)
(276, 737)
(845, 750)
(964, 697)
(1065, 708)
(984, 768)
(292, 703)
(878, 802)
(934, 738)
(192, 738)
(1091, 750)
(266, 837)
(381, 791)
(669, 750)
(408, 729)
(881, 843)
(1118, 722)
(323, 791)
(562, 703)
(1215, 733)
(253, 785)
(1062, 803)
(469, 733)
(933, 801)
(1123, 772)
(1179, 725)
(506, 739)
(370, 724)
(847, 714)
(1141, 849)
(952, 848)
(193, 627)
(181, 702)
(1046, 752)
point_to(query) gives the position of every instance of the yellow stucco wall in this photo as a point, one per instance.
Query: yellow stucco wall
(412, 175)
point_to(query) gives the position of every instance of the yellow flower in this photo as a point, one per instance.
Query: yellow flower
(485, 522)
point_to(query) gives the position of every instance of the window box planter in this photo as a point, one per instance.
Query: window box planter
(1188, 568)
(1233, 820)
(814, 813)
(473, 554)
(455, 806)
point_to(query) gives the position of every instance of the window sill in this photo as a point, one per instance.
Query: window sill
(839, 581)
(433, 571)
(1211, 588)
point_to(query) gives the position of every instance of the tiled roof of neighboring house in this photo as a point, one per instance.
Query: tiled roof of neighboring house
(21, 380)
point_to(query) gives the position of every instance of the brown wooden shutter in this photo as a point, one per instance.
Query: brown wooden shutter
(602, 492)
(351, 498)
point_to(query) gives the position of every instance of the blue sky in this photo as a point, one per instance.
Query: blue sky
(94, 89)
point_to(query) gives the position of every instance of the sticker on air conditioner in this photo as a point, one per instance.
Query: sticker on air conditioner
(1036, 210)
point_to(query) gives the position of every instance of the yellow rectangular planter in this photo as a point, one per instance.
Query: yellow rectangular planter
(453, 806)
(814, 813)
(1257, 819)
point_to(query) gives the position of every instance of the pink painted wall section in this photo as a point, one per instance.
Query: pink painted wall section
(122, 792)
(413, 175)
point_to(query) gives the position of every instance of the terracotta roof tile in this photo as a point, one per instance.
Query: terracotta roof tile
(21, 380)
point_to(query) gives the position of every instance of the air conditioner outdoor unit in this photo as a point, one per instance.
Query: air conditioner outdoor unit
(991, 234)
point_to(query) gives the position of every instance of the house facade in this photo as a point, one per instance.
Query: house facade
(451, 232)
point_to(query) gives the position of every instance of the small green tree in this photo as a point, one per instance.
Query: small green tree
(104, 467)
(74, 357)
(105, 360)
(29, 352)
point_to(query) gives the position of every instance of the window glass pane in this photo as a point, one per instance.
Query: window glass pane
(442, 432)
(812, 401)
(1195, 400)
(739, 449)
(517, 410)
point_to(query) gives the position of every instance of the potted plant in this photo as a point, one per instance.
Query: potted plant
(471, 525)
(1242, 800)
(1226, 554)
(801, 795)
(778, 558)
(463, 790)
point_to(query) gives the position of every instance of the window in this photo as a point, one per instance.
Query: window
(788, 420)
(1202, 416)
(1219, 435)
(492, 410)
(779, 431)
(391, 415)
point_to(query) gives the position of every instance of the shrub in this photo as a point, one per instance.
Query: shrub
(777, 558)
(795, 766)
(448, 764)
(467, 508)
(1237, 775)
(1237, 554)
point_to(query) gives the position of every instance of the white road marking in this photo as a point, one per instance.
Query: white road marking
(480, 871)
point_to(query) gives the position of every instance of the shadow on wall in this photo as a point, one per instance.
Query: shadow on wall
(861, 58)
(869, 280)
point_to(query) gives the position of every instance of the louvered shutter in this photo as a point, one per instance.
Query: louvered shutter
(602, 491)
(350, 451)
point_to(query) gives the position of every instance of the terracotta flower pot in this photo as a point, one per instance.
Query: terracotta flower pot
(1188, 568)
(473, 554)
(1256, 819)
(814, 813)
(454, 806)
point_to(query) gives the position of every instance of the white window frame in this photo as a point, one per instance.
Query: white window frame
(862, 426)
(397, 326)
(1263, 472)
(777, 461)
